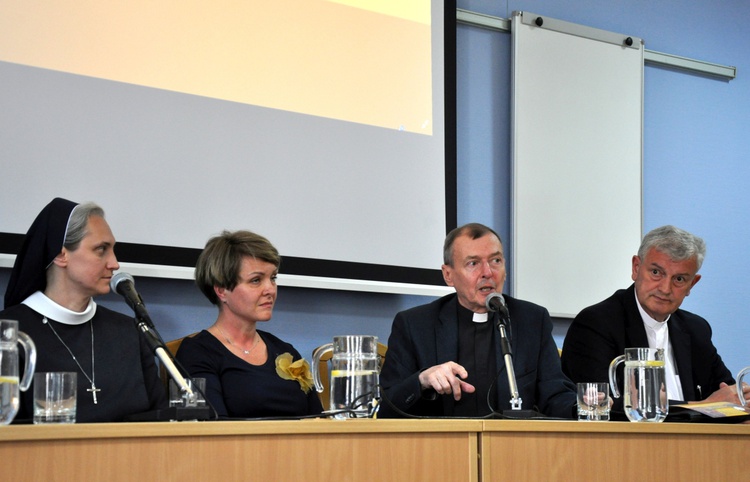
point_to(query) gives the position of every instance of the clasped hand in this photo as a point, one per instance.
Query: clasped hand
(446, 379)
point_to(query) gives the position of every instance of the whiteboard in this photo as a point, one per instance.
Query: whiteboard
(576, 164)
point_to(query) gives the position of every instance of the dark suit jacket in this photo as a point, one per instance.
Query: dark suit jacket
(602, 332)
(427, 335)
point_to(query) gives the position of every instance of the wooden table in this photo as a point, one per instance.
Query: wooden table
(375, 450)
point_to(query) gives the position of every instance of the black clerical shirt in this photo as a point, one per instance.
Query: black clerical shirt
(476, 353)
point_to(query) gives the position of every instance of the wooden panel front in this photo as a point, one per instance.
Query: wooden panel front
(612, 451)
(325, 455)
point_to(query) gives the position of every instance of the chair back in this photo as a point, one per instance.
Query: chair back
(172, 347)
(325, 395)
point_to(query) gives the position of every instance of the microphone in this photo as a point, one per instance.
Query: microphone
(124, 284)
(496, 304)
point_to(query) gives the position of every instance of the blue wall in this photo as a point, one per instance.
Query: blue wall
(695, 161)
(696, 139)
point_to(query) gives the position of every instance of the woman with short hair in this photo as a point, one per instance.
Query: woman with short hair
(249, 373)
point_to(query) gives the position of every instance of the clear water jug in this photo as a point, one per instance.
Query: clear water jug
(10, 386)
(354, 374)
(645, 387)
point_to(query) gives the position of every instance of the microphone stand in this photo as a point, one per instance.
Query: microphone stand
(515, 399)
(156, 344)
(516, 402)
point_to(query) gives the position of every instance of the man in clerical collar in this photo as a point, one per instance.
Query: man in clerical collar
(444, 358)
(648, 314)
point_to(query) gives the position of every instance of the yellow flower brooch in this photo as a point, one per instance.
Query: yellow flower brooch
(299, 371)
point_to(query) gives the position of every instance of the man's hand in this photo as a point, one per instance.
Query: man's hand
(728, 393)
(446, 379)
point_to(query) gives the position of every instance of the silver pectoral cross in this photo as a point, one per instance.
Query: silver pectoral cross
(93, 391)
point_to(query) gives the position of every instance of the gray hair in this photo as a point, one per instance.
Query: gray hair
(676, 243)
(473, 230)
(78, 224)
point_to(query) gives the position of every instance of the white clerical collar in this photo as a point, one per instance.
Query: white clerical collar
(46, 307)
(479, 318)
(656, 326)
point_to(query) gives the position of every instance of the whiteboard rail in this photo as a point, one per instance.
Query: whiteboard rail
(490, 22)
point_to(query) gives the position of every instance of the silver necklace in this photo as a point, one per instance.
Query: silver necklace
(91, 378)
(246, 352)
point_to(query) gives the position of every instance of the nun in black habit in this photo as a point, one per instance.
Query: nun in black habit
(67, 258)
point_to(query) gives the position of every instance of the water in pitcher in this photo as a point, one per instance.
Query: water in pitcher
(645, 392)
(354, 390)
(9, 399)
(355, 374)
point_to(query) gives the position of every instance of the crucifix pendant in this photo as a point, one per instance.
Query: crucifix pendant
(93, 391)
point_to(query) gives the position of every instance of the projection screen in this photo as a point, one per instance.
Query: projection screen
(327, 126)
